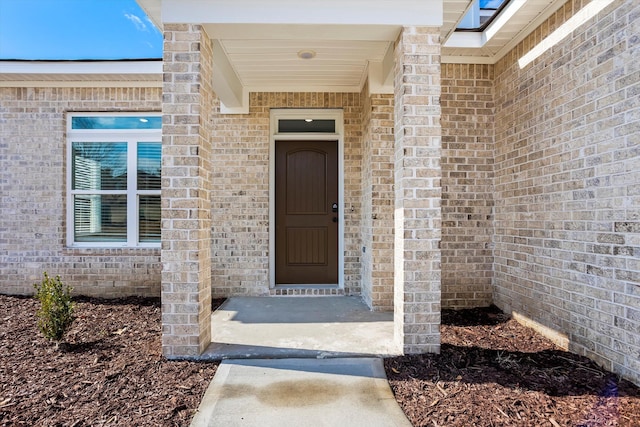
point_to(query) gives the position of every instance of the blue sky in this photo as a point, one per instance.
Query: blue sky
(76, 29)
(490, 4)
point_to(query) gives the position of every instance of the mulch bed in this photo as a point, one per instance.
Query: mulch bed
(491, 372)
(109, 372)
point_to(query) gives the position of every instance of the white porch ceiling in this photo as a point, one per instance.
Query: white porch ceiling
(339, 65)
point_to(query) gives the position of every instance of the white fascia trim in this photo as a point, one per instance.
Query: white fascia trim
(81, 74)
(364, 32)
(350, 12)
(306, 88)
(81, 67)
(465, 39)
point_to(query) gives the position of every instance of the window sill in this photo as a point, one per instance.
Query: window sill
(112, 250)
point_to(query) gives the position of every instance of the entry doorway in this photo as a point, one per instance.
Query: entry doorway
(307, 212)
(306, 199)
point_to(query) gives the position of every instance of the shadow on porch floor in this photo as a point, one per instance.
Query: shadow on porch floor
(300, 327)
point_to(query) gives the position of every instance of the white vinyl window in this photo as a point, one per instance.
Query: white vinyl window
(113, 180)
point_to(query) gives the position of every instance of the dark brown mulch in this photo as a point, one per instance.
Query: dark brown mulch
(109, 372)
(493, 371)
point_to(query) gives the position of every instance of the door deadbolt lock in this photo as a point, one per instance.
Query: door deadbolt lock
(334, 207)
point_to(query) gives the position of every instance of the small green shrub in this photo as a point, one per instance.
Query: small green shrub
(55, 315)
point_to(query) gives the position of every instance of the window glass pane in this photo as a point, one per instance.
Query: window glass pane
(149, 165)
(116, 122)
(302, 125)
(99, 165)
(149, 217)
(100, 218)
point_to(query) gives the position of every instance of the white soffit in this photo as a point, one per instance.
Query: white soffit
(81, 73)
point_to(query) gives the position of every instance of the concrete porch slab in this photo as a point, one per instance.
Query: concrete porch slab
(299, 327)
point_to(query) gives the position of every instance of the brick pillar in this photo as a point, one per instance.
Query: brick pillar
(417, 191)
(186, 185)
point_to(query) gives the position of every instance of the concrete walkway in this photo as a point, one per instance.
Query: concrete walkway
(300, 392)
(300, 361)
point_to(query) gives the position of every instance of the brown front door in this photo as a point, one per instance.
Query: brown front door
(307, 214)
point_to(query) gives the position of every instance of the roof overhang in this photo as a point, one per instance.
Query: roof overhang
(122, 73)
(515, 22)
(257, 43)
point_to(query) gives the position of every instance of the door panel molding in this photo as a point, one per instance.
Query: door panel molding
(319, 114)
(296, 182)
(317, 255)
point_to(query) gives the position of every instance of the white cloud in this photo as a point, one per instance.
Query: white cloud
(141, 26)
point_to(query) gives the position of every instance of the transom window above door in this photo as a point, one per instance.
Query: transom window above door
(113, 180)
(306, 125)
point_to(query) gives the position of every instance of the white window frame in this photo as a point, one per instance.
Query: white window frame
(132, 137)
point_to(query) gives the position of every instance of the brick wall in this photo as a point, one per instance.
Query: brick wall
(377, 200)
(567, 182)
(33, 190)
(467, 185)
(240, 196)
